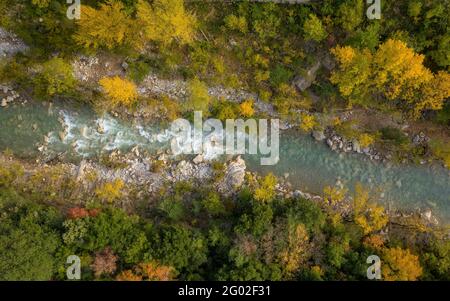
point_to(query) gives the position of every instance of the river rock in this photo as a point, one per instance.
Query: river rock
(356, 146)
(198, 159)
(62, 135)
(420, 138)
(298, 194)
(234, 176)
(183, 171)
(163, 158)
(318, 135)
(330, 143)
(100, 128)
(135, 150)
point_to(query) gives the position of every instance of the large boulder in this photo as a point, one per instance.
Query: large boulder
(303, 82)
(234, 176)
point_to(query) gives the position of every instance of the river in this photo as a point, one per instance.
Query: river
(310, 165)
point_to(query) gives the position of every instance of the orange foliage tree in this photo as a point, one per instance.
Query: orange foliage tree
(400, 265)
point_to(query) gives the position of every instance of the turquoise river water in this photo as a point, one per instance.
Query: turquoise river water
(310, 165)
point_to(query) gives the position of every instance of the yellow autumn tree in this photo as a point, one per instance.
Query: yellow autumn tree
(395, 71)
(296, 249)
(434, 93)
(366, 140)
(334, 195)
(166, 20)
(399, 71)
(41, 3)
(110, 191)
(149, 271)
(266, 188)
(110, 26)
(369, 216)
(374, 241)
(400, 265)
(246, 108)
(119, 91)
(307, 122)
(354, 72)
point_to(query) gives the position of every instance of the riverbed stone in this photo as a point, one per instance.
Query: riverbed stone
(356, 146)
(198, 159)
(318, 135)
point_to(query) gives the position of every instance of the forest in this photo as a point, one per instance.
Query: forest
(321, 66)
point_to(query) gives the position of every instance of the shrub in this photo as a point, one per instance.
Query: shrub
(119, 91)
(198, 96)
(110, 191)
(313, 29)
(55, 78)
(280, 75)
(225, 110)
(395, 135)
(366, 140)
(266, 188)
(236, 23)
(139, 70)
(308, 122)
(441, 150)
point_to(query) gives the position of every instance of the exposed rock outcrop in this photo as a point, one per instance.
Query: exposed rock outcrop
(10, 44)
(234, 176)
(303, 82)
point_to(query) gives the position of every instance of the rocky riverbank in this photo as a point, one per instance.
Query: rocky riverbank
(340, 144)
(151, 173)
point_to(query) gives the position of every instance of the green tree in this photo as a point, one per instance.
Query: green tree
(180, 247)
(350, 14)
(442, 54)
(437, 260)
(213, 204)
(55, 78)
(28, 242)
(313, 29)
(110, 228)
